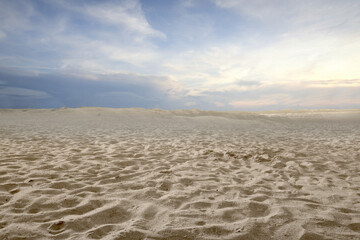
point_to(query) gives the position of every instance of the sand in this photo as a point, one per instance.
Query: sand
(98, 173)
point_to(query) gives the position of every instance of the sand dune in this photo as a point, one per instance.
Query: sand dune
(97, 173)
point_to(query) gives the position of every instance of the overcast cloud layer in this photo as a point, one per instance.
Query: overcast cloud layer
(207, 54)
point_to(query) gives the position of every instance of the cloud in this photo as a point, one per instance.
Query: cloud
(297, 95)
(149, 91)
(314, 13)
(334, 83)
(298, 40)
(23, 92)
(248, 83)
(75, 90)
(272, 102)
(227, 55)
(294, 57)
(208, 67)
(307, 56)
(95, 37)
(127, 15)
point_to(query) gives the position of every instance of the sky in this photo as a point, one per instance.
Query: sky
(205, 54)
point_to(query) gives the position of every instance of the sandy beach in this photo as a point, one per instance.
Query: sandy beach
(102, 173)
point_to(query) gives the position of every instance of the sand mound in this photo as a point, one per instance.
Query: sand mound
(93, 173)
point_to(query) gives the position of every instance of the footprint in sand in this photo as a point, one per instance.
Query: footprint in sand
(57, 227)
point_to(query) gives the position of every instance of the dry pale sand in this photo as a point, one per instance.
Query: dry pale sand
(97, 173)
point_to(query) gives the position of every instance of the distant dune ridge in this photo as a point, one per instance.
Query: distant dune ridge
(102, 173)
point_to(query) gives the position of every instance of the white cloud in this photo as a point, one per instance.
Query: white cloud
(334, 83)
(126, 14)
(307, 40)
(110, 51)
(291, 102)
(298, 94)
(305, 57)
(298, 56)
(208, 68)
(291, 45)
(102, 56)
(23, 92)
(292, 13)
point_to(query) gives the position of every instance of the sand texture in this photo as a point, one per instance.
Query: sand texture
(98, 173)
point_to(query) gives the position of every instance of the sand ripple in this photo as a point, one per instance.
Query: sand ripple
(136, 174)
